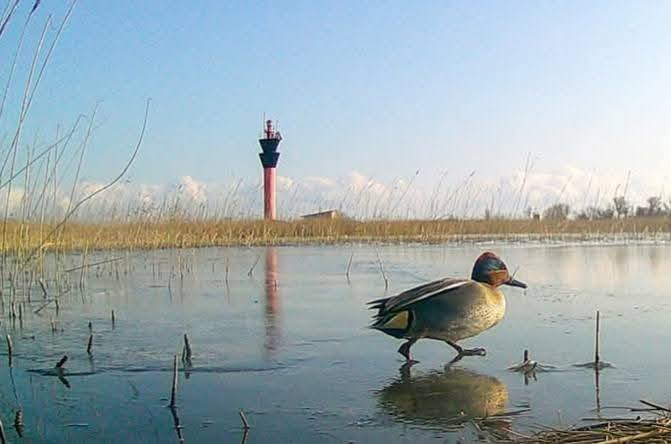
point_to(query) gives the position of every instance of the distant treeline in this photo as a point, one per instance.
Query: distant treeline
(619, 208)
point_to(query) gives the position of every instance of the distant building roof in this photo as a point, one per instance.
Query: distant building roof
(328, 214)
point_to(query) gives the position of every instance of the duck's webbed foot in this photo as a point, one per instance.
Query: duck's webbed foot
(404, 349)
(461, 352)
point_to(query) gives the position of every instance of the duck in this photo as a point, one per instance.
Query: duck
(449, 309)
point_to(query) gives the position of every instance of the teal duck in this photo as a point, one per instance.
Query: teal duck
(448, 309)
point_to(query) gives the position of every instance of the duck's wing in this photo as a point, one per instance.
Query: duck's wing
(414, 295)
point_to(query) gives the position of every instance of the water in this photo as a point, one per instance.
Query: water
(289, 346)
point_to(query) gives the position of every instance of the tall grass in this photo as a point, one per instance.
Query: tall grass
(34, 208)
(25, 237)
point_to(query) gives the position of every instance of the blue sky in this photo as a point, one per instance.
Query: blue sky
(381, 88)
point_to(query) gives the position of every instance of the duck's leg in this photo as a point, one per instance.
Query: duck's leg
(404, 349)
(466, 351)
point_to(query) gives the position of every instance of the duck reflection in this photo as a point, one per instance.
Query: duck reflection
(272, 315)
(443, 399)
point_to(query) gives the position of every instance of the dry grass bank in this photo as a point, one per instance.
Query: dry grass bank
(187, 233)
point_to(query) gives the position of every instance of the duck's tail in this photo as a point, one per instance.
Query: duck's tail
(395, 323)
(377, 304)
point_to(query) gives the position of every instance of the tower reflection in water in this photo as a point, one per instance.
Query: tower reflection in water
(272, 308)
(443, 399)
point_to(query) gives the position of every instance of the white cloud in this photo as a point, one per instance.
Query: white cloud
(193, 189)
(356, 194)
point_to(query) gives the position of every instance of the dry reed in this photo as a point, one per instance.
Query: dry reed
(24, 237)
(613, 431)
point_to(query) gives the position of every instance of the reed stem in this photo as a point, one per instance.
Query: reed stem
(186, 352)
(243, 418)
(3, 438)
(596, 342)
(173, 391)
(61, 363)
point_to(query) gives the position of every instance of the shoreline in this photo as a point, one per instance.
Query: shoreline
(24, 238)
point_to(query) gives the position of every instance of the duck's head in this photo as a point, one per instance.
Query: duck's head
(489, 269)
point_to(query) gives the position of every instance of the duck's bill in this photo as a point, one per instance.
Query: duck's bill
(516, 283)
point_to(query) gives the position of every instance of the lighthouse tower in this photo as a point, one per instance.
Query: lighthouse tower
(269, 158)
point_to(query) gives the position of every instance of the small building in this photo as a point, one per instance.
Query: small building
(328, 214)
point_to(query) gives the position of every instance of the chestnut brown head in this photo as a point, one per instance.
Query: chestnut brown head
(490, 269)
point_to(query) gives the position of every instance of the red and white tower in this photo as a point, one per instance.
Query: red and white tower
(269, 158)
